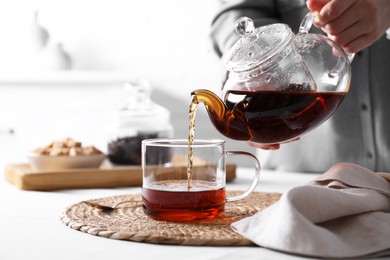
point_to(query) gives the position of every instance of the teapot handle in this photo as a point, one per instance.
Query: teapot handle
(307, 23)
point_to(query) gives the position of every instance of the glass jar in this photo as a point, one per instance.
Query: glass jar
(138, 119)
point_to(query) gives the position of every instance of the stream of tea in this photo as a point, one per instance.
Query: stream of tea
(191, 134)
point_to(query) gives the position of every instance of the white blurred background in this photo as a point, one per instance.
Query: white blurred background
(164, 41)
(45, 97)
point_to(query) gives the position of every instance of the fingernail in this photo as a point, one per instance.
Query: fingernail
(318, 22)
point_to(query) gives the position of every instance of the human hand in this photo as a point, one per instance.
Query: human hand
(268, 146)
(264, 146)
(353, 24)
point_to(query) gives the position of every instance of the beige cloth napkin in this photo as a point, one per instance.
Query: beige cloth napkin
(343, 213)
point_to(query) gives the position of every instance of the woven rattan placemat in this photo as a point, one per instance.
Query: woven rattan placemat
(128, 222)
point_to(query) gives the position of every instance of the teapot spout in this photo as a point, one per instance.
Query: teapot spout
(228, 122)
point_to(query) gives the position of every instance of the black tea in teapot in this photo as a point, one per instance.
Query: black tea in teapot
(268, 117)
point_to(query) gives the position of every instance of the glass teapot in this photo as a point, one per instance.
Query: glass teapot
(280, 85)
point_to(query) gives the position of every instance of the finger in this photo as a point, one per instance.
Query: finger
(316, 5)
(343, 22)
(351, 33)
(360, 43)
(333, 10)
(264, 146)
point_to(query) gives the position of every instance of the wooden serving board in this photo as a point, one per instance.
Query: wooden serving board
(23, 177)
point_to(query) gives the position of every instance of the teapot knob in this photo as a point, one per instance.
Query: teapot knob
(244, 26)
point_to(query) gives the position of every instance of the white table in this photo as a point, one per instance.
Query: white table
(31, 228)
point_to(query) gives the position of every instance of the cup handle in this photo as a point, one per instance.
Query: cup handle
(255, 178)
(306, 25)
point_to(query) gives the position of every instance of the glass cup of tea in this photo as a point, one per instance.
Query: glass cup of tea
(183, 183)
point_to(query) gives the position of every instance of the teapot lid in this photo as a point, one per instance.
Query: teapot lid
(256, 46)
